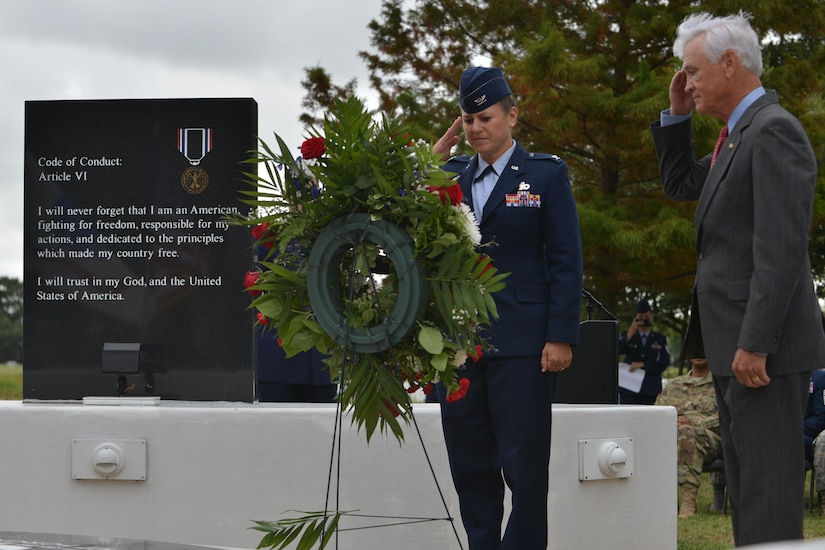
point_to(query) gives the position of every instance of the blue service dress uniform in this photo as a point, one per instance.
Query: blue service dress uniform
(303, 378)
(656, 357)
(503, 422)
(814, 413)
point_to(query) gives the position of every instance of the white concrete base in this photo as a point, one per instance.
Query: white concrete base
(212, 468)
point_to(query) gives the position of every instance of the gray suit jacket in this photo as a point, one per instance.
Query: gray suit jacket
(753, 285)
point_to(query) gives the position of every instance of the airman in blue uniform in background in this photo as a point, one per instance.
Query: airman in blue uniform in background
(644, 349)
(303, 378)
(814, 428)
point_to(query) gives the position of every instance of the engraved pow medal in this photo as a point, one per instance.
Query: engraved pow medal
(194, 144)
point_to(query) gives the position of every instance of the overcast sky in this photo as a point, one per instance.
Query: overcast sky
(111, 49)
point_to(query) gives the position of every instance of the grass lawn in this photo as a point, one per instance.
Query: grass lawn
(712, 530)
(11, 382)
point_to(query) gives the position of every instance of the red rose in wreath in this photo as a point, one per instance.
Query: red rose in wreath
(250, 279)
(259, 232)
(452, 192)
(313, 148)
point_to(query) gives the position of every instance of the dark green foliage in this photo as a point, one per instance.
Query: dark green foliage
(589, 78)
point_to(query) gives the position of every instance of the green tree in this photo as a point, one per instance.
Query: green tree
(11, 319)
(590, 76)
(321, 93)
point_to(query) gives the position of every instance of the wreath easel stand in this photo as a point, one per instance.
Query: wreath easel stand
(325, 294)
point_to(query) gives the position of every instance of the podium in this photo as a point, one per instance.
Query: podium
(593, 376)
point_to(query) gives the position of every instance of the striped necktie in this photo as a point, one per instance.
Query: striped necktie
(723, 135)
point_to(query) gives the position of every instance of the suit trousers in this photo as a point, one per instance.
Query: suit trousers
(764, 456)
(502, 425)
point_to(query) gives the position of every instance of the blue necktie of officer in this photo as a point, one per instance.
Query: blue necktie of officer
(482, 187)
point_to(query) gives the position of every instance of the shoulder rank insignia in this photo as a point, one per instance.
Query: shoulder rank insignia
(544, 156)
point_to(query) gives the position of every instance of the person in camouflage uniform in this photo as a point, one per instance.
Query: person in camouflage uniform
(814, 428)
(699, 439)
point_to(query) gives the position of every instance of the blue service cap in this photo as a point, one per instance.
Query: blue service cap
(481, 87)
(643, 306)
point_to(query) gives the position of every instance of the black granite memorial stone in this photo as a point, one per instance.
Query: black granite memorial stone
(130, 264)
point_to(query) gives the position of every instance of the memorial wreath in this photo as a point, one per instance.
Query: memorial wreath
(372, 258)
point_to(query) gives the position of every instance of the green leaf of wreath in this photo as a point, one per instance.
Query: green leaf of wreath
(480, 303)
(283, 273)
(497, 282)
(280, 534)
(364, 182)
(441, 295)
(314, 326)
(491, 305)
(458, 299)
(431, 340)
(469, 303)
(300, 338)
(467, 268)
(481, 272)
(439, 362)
(270, 308)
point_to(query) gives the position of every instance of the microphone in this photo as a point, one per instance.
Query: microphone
(593, 302)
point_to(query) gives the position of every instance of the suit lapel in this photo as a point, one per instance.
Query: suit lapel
(714, 178)
(726, 156)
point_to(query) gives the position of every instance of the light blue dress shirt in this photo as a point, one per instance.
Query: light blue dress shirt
(666, 119)
(484, 187)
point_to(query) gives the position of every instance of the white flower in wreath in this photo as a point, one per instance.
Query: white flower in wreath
(470, 224)
(459, 359)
